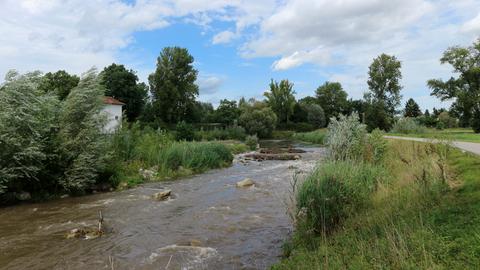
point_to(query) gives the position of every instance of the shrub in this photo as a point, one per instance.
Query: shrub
(333, 192)
(252, 142)
(258, 121)
(298, 127)
(229, 133)
(447, 121)
(346, 138)
(375, 147)
(407, 125)
(184, 132)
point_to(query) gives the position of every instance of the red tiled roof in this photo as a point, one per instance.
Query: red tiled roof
(112, 101)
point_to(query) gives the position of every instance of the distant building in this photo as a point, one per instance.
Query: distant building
(113, 110)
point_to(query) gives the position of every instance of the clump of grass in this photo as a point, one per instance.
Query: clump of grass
(252, 142)
(334, 191)
(315, 137)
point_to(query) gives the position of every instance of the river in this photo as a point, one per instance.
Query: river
(208, 224)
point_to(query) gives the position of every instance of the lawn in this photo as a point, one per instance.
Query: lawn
(455, 134)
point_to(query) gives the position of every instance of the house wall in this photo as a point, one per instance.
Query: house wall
(114, 116)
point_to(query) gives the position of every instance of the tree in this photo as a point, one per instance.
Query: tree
(173, 85)
(332, 98)
(123, 85)
(315, 115)
(384, 85)
(227, 112)
(384, 81)
(60, 83)
(281, 99)
(412, 109)
(465, 89)
(84, 151)
(28, 120)
(258, 119)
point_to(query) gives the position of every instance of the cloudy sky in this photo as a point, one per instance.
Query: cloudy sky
(239, 45)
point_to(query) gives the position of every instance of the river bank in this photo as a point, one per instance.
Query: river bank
(208, 223)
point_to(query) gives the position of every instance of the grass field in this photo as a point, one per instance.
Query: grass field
(455, 134)
(315, 137)
(424, 214)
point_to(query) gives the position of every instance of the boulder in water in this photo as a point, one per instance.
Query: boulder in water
(162, 195)
(247, 182)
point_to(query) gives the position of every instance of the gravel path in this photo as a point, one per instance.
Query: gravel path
(467, 146)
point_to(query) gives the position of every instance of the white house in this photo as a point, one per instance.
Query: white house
(113, 110)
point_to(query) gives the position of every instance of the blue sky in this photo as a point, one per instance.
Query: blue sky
(239, 45)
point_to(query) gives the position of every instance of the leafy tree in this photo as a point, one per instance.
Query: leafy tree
(184, 131)
(384, 85)
(476, 120)
(227, 112)
(258, 119)
(299, 113)
(123, 85)
(200, 112)
(465, 89)
(281, 99)
(84, 152)
(315, 115)
(332, 98)
(173, 84)
(60, 83)
(412, 109)
(384, 81)
(27, 124)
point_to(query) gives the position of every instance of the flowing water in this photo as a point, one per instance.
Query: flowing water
(208, 224)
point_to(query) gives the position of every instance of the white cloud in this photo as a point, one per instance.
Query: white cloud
(209, 84)
(472, 25)
(223, 37)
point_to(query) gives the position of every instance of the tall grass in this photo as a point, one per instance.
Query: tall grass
(315, 137)
(136, 148)
(229, 133)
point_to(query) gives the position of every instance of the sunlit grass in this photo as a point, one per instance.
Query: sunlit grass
(457, 134)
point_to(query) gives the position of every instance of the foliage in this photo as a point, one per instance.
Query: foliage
(475, 122)
(281, 99)
(258, 119)
(407, 125)
(375, 148)
(332, 98)
(84, 151)
(446, 120)
(252, 142)
(315, 115)
(377, 116)
(173, 84)
(60, 83)
(298, 127)
(346, 138)
(465, 89)
(227, 112)
(123, 85)
(184, 131)
(27, 119)
(333, 192)
(316, 137)
(229, 133)
(412, 109)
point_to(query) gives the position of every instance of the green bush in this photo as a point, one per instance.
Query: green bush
(346, 138)
(252, 142)
(375, 147)
(333, 192)
(229, 133)
(475, 121)
(184, 132)
(315, 115)
(408, 125)
(258, 121)
(299, 127)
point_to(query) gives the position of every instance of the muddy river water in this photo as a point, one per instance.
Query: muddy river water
(209, 224)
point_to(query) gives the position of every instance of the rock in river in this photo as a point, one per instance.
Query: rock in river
(247, 182)
(162, 195)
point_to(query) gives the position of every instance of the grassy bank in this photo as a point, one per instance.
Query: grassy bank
(150, 155)
(315, 137)
(417, 210)
(454, 134)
